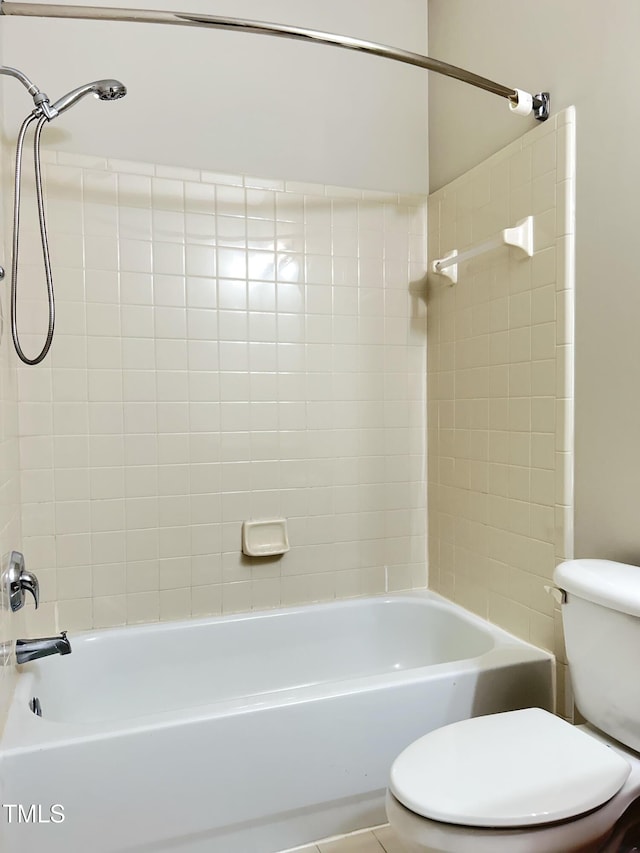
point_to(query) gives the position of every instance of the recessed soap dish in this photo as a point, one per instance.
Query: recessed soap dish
(266, 538)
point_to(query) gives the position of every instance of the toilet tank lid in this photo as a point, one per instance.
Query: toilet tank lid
(605, 582)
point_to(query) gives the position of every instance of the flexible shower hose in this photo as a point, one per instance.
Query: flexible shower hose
(41, 119)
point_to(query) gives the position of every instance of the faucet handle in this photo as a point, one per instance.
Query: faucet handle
(29, 583)
(17, 580)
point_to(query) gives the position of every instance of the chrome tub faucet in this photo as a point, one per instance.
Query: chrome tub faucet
(28, 650)
(15, 582)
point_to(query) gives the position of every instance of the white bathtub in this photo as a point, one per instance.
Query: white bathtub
(248, 733)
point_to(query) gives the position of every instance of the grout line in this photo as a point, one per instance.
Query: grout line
(333, 838)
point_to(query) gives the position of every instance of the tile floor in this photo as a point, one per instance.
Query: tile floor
(379, 840)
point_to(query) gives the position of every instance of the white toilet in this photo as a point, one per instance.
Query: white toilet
(526, 781)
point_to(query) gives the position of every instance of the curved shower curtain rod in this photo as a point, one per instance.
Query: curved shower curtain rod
(520, 102)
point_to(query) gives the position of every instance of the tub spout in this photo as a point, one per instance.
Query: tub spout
(27, 650)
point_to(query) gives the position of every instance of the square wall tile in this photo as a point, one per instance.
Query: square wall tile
(229, 347)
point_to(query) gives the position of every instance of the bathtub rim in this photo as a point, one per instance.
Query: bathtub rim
(23, 730)
(426, 595)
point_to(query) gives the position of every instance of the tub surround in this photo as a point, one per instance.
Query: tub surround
(10, 518)
(231, 348)
(269, 752)
(500, 388)
(228, 348)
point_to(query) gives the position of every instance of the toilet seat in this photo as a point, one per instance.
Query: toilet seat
(516, 769)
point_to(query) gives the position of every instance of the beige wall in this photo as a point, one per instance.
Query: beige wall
(227, 348)
(586, 54)
(500, 385)
(240, 103)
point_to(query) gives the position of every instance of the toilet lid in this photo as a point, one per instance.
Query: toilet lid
(520, 768)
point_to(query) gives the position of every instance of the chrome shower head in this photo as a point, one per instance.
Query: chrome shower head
(105, 90)
(110, 90)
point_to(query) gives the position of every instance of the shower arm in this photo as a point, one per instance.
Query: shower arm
(41, 101)
(519, 101)
(29, 85)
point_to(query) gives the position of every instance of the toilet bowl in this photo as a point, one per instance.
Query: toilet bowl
(539, 831)
(526, 781)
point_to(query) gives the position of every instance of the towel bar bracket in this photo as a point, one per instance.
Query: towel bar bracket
(520, 237)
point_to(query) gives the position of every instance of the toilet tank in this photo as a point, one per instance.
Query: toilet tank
(601, 618)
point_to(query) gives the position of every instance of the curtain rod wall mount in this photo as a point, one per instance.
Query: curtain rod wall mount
(520, 102)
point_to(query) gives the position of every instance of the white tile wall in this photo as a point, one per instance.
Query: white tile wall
(10, 538)
(227, 348)
(500, 378)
